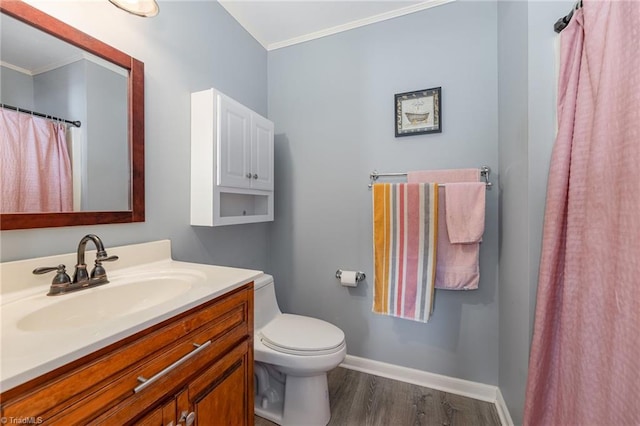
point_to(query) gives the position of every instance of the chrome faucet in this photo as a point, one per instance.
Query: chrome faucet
(62, 283)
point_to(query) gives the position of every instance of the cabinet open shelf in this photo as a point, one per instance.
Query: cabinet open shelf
(243, 205)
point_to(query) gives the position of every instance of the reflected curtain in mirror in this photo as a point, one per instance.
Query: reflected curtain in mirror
(36, 168)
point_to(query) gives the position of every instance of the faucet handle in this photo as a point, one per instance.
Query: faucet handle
(106, 259)
(98, 270)
(101, 256)
(61, 273)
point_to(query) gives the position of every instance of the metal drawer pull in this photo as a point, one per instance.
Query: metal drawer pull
(146, 382)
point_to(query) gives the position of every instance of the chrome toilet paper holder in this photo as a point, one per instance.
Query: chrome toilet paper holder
(360, 276)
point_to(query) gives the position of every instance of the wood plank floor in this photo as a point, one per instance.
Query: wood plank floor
(364, 399)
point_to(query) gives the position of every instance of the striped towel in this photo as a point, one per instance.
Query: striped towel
(405, 227)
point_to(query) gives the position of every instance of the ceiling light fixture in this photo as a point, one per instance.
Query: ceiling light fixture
(144, 8)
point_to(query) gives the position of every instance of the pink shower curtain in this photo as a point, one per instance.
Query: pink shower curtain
(35, 169)
(584, 366)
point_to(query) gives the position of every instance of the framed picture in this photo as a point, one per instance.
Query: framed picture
(418, 112)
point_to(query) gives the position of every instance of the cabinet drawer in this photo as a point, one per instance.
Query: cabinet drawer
(171, 381)
(81, 390)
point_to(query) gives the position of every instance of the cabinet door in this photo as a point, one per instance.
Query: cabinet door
(262, 153)
(154, 418)
(221, 395)
(169, 413)
(161, 416)
(234, 143)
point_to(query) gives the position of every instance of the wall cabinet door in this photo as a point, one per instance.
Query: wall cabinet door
(234, 144)
(245, 147)
(261, 153)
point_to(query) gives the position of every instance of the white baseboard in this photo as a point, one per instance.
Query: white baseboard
(503, 411)
(439, 382)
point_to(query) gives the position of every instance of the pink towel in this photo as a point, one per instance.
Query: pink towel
(442, 176)
(465, 211)
(457, 264)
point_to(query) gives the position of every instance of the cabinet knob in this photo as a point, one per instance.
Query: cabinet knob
(255, 176)
(191, 418)
(188, 419)
(248, 175)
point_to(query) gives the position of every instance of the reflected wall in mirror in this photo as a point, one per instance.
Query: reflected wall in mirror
(98, 167)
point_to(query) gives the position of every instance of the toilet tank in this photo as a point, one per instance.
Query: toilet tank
(265, 305)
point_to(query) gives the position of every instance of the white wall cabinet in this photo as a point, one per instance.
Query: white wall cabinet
(231, 162)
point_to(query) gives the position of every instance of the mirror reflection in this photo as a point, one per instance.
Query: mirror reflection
(49, 163)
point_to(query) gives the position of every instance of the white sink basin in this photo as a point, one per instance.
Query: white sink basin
(41, 333)
(122, 296)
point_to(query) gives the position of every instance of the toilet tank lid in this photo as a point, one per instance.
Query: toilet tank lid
(261, 281)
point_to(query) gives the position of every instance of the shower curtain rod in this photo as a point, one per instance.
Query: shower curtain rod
(485, 171)
(564, 21)
(39, 114)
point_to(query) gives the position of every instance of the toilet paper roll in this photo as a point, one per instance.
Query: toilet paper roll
(348, 279)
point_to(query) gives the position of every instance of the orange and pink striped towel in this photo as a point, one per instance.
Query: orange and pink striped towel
(405, 227)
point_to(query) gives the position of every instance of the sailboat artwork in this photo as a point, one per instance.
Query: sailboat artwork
(418, 112)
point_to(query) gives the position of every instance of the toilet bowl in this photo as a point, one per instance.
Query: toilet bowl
(292, 355)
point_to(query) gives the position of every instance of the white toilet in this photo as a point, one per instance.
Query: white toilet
(292, 356)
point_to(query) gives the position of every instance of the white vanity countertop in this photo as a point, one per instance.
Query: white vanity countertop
(28, 351)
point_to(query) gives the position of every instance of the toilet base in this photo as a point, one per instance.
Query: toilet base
(271, 413)
(306, 402)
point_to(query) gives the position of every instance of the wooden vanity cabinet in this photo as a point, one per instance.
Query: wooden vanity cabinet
(199, 367)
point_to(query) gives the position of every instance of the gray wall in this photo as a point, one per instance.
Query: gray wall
(16, 88)
(514, 201)
(332, 103)
(189, 46)
(106, 131)
(62, 92)
(527, 122)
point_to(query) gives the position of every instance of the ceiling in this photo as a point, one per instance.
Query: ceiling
(280, 23)
(273, 23)
(30, 51)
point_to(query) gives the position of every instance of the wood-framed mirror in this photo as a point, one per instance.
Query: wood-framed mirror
(133, 71)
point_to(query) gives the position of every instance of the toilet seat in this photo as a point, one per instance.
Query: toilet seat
(300, 335)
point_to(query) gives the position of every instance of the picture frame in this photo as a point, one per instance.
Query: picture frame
(418, 112)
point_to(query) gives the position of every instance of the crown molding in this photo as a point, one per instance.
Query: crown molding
(357, 24)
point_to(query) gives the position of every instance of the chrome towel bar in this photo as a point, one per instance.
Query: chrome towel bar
(485, 171)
